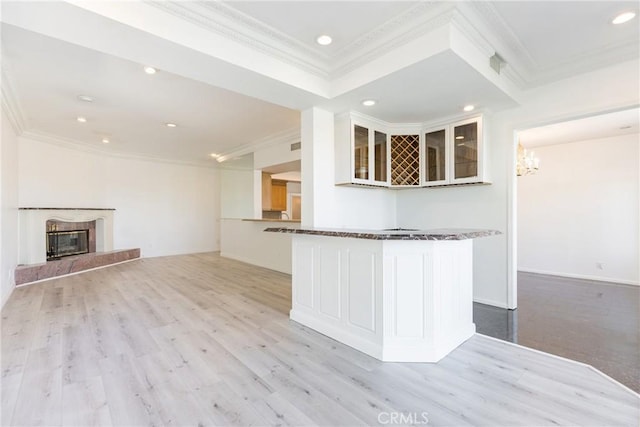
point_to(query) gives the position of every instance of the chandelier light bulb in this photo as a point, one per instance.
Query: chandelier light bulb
(527, 162)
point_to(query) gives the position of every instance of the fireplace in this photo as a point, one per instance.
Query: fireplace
(36, 224)
(49, 236)
(66, 238)
(66, 243)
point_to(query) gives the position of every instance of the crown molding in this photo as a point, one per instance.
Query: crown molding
(522, 68)
(400, 30)
(223, 19)
(288, 136)
(520, 63)
(77, 145)
(614, 53)
(11, 105)
(232, 24)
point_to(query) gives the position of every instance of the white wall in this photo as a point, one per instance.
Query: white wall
(276, 154)
(162, 208)
(236, 193)
(8, 209)
(493, 206)
(468, 207)
(581, 209)
(326, 205)
(246, 241)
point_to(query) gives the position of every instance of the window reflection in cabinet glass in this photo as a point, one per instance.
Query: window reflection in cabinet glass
(466, 150)
(361, 152)
(380, 156)
(435, 156)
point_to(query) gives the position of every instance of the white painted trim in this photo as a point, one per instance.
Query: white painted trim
(339, 334)
(250, 261)
(522, 69)
(493, 303)
(11, 105)
(75, 273)
(580, 276)
(400, 30)
(288, 136)
(78, 145)
(512, 224)
(231, 23)
(533, 350)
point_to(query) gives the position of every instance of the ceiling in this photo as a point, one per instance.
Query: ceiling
(234, 75)
(130, 107)
(611, 124)
(343, 20)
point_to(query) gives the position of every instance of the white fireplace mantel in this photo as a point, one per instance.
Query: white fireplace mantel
(33, 233)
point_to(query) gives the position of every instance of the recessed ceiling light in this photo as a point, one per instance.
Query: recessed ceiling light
(469, 107)
(85, 98)
(150, 70)
(81, 119)
(623, 17)
(105, 140)
(324, 40)
(369, 102)
(171, 125)
(459, 137)
(214, 155)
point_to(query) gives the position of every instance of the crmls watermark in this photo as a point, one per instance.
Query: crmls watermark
(403, 418)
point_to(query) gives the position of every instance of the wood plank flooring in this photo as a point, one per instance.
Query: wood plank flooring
(202, 340)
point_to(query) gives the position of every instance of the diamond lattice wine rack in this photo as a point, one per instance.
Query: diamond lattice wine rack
(405, 160)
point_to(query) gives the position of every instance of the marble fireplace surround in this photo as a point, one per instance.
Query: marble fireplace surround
(33, 229)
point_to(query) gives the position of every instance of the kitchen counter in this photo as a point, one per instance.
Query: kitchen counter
(296, 221)
(391, 234)
(397, 295)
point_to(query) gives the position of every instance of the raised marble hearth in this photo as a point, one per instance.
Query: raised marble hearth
(40, 257)
(72, 264)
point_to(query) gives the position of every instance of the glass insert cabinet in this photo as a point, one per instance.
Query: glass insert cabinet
(369, 154)
(453, 154)
(373, 153)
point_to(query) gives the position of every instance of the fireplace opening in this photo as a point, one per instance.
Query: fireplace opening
(67, 243)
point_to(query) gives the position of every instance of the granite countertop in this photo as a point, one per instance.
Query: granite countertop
(65, 209)
(391, 234)
(297, 221)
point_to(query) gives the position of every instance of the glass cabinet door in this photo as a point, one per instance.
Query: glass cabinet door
(361, 152)
(435, 156)
(465, 150)
(380, 156)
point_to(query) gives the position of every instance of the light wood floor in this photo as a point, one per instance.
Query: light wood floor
(202, 340)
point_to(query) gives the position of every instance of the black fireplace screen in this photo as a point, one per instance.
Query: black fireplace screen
(65, 243)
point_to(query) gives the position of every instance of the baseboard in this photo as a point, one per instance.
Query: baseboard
(485, 301)
(580, 276)
(251, 261)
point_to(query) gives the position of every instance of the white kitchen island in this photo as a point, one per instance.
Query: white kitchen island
(397, 295)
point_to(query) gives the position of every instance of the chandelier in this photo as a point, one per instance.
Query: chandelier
(527, 163)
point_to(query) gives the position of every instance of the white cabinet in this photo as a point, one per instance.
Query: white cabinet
(362, 152)
(374, 153)
(395, 300)
(436, 156)
(453, 154)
